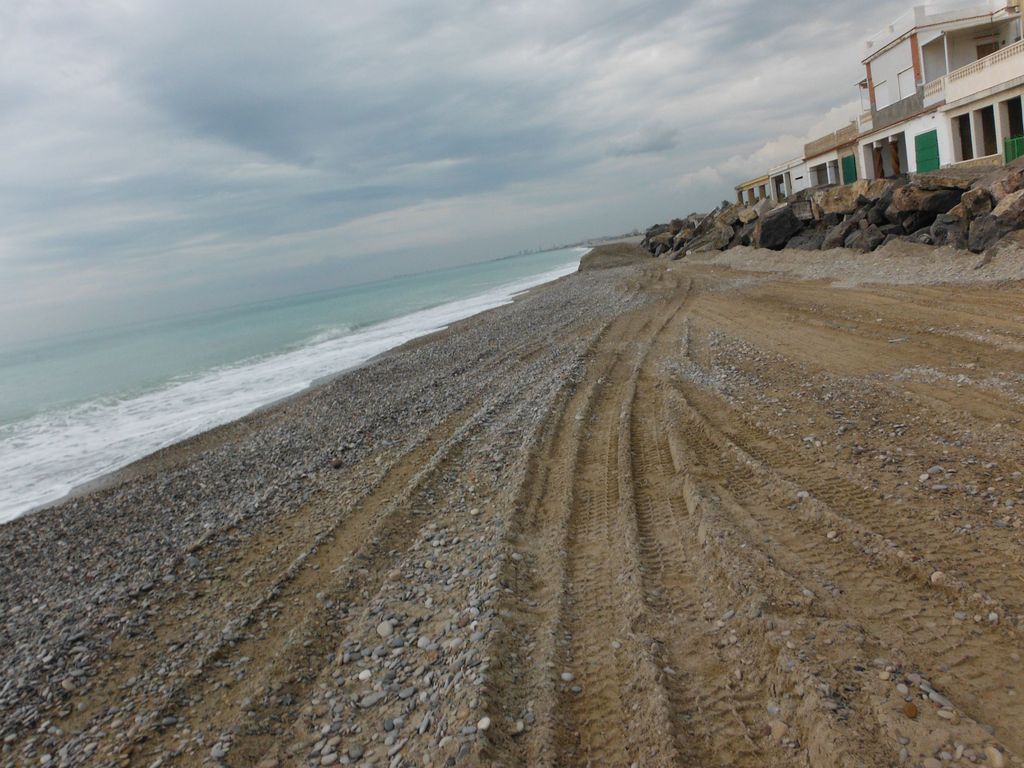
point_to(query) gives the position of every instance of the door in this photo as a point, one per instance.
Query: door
(849, 169)
(987, 49)
(926, 148)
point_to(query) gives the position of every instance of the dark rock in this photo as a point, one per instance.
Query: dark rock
(745, 234)
(836, 236)
(916, 220)
(948, 230)
(866, 239)
(876, 215)
(776, 227)
(808, 240)
(1007, 216)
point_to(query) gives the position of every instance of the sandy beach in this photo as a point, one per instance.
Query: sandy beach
(743, 509)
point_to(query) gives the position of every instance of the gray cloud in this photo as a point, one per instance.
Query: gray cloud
(163, 156)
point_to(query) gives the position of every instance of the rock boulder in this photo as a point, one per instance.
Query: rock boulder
(776, 227)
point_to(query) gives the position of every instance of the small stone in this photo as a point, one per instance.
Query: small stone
(931, 762)
(938, 577)
(385, 629)
(220, 749)
(995, 757)
(355, 751)
(365, 675)
(484, 724)
(910, 710)
(778, 729)
(568, 677)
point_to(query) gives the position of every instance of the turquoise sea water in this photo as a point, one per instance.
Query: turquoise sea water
(77, 407)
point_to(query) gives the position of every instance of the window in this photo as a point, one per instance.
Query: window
(907, 83)
(881, 94)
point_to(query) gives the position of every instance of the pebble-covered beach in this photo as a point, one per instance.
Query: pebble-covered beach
(687, 513)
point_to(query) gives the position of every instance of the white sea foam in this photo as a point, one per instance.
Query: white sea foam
(45, 457)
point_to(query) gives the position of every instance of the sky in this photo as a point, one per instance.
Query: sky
(159, 157)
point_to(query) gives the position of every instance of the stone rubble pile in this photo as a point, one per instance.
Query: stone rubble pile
(973, 209)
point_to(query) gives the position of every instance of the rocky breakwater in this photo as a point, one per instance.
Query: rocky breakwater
(978, 209)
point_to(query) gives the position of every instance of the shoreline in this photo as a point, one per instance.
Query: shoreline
(164, 457)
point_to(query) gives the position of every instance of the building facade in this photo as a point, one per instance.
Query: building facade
(943, 85)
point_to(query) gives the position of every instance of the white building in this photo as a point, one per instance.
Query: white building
(943, 85)
(788, 178)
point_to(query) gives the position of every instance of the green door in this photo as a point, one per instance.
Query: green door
(927, 149)
(849, 169)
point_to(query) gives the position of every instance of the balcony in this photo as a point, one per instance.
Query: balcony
(936, 13)
(993, 70)
(979, 76)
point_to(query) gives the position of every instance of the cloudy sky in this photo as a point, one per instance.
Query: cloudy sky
(160, 157)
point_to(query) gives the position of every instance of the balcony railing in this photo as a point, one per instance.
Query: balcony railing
(989, 72)
(935, 92)
(995, 69)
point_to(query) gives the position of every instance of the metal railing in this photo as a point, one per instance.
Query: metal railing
(1014, 148)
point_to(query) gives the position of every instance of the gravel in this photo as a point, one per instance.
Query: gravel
(101, 568)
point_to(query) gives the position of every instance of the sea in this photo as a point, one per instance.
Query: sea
(75, 408)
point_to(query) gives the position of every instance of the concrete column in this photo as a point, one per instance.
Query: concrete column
(1002, 115)
(977, 134)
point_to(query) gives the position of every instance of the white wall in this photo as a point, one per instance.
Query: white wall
(934, 59)
(885, 71)
(963, 44)
(938, 122)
